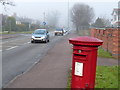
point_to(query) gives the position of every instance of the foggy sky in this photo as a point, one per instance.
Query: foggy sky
(35, 9)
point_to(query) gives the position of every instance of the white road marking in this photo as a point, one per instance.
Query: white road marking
(26, 43)
(11, 48)
(14, 46)
(0, 50)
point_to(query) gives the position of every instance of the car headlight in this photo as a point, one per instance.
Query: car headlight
(33, 37)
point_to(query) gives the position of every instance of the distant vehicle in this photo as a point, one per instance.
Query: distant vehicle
(65, 30)
(41, 35)
(59, 31)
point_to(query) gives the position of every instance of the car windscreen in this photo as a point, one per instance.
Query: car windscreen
(59, 29)
(39, 32)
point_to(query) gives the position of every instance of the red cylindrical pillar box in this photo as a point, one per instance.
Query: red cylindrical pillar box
(84, 61)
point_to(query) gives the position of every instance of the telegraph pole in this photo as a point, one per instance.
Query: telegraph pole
(44, 19)
(44, 16)
(9, 26)
(68, 13)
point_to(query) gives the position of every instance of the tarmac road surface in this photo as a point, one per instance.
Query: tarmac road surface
(19, 55)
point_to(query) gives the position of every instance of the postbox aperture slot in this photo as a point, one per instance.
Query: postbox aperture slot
(79, 56)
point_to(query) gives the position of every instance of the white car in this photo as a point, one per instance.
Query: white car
(40, 35)
(59, 31)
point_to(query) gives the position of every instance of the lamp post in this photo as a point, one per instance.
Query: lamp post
(9, 26)
(68, 13)
(44, 20)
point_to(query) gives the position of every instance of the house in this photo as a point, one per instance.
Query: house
(119, 4)
(17, 18)
(116, 16)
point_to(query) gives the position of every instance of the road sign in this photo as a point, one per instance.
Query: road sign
(44, 23)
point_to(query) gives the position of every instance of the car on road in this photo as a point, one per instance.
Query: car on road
(65, 30)
(41, 35)
(59, 31)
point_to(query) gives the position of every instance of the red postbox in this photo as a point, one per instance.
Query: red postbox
(84, 61)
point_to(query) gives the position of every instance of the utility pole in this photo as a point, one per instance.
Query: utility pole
(44, 19)
(1, 23)
(68, 14)
(9, 26)
(44, 16)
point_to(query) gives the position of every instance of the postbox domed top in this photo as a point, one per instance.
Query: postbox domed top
(86, 40)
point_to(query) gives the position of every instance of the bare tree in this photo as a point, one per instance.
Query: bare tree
(7, 2)
(81, 15)
(53, 19)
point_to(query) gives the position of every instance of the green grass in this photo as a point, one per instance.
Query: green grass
(23, 32)
(69, 80)
(106, 77)
(103, 53)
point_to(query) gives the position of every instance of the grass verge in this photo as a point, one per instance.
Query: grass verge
(106, 77)
(27, 32)
(103, 53)
(69, 80)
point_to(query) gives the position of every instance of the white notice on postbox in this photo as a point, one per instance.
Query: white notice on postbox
(78, 69)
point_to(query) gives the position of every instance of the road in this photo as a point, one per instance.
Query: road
(19, 55)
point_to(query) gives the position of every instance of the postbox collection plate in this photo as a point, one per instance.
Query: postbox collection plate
(78, 69)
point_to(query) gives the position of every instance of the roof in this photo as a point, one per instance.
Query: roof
(116, 10)
(119, 4)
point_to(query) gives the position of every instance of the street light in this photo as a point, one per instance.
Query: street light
(9, 26)
(68, 13)
(44, 23)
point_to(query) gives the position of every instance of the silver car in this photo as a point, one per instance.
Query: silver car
(59, 31)
(41, 35)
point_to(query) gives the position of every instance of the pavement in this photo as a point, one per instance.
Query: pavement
(52, 70)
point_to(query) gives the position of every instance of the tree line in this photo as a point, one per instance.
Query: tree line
(14, 23)
(9, 23)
